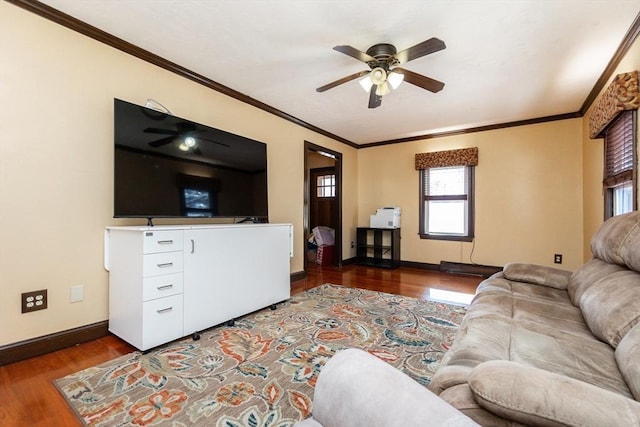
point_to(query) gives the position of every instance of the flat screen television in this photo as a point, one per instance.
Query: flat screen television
(170, 167)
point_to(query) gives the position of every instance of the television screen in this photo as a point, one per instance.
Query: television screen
(166, 166)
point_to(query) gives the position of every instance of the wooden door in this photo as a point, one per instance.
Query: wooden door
(323, 206)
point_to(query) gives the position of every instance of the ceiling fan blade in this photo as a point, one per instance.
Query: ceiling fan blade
(342, 80)
(355, 53)
(160, 131)
(419, 80)
(161, 142)
(374, 100)
(421, 49)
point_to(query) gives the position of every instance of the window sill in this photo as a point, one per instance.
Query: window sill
(451, 238)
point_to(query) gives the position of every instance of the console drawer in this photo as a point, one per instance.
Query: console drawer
(162, 320)
(161, 286)
(162, 241)
(162, 263)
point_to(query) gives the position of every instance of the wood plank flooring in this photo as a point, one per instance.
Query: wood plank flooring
(29, 398)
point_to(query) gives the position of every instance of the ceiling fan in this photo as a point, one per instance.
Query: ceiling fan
(185, 136)
(383, 60)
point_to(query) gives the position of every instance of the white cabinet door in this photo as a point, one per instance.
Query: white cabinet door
(232, 271)
(277, 280)
(208, 267)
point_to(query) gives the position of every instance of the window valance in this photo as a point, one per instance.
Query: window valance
(439, 159)
(622, 94)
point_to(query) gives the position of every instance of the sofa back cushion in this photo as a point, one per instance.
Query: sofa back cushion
(617, 241)
(589, 273)
(628, 357)
(611, 305)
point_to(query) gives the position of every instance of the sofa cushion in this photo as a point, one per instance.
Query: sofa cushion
(628, 358)
(617, 241)
(524, 302)
(535, 397)
(579, 357)
(611, 306)
(588, 274)
(544, 346)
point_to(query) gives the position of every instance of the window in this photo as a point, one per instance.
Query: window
(326, 186)
(619, 168)
(446, 206)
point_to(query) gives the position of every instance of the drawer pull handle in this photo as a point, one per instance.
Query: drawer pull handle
(165, 264)
(164, 310)
(165, 242)
(164, 287)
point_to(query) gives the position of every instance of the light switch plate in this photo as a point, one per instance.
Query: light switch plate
(77, 293)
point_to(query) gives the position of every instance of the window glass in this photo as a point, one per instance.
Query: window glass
(446, 217)
(622, 198)
(326, 186)
(446, 181)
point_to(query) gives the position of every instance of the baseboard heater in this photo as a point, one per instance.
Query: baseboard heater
(468, 269)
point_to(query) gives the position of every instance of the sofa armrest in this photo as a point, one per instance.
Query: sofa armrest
(538, 275)
(357, 389)
(535, 397)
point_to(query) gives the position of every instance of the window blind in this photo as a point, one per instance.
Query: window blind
(619, 150)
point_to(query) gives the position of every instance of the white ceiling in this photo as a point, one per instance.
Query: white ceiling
(505, 60)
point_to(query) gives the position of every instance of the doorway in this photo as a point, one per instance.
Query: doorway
(322, 197)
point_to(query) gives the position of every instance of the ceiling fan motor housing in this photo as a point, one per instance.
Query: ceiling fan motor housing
(384, 55)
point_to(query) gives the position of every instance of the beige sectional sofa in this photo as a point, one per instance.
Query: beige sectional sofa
(542, 346)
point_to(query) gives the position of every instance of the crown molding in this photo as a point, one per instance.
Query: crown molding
(474, 129)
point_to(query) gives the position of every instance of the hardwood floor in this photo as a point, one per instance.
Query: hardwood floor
(29, 398)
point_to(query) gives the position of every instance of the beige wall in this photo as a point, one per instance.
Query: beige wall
(56, 164)
(594, 157)
(528, 194)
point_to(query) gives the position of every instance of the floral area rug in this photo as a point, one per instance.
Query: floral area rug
(262, 371)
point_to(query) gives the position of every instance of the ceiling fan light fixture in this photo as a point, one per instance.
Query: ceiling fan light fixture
(183, 147)
(394, 78)
(382, 89)
(378, 76)
(366, 83)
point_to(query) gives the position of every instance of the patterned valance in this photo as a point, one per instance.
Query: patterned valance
(439, 159)
(622, 94)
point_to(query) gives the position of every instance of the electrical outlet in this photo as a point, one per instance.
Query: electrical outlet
(557, 258)
(34, 301)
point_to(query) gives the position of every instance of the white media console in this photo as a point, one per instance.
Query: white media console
(167, 282)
